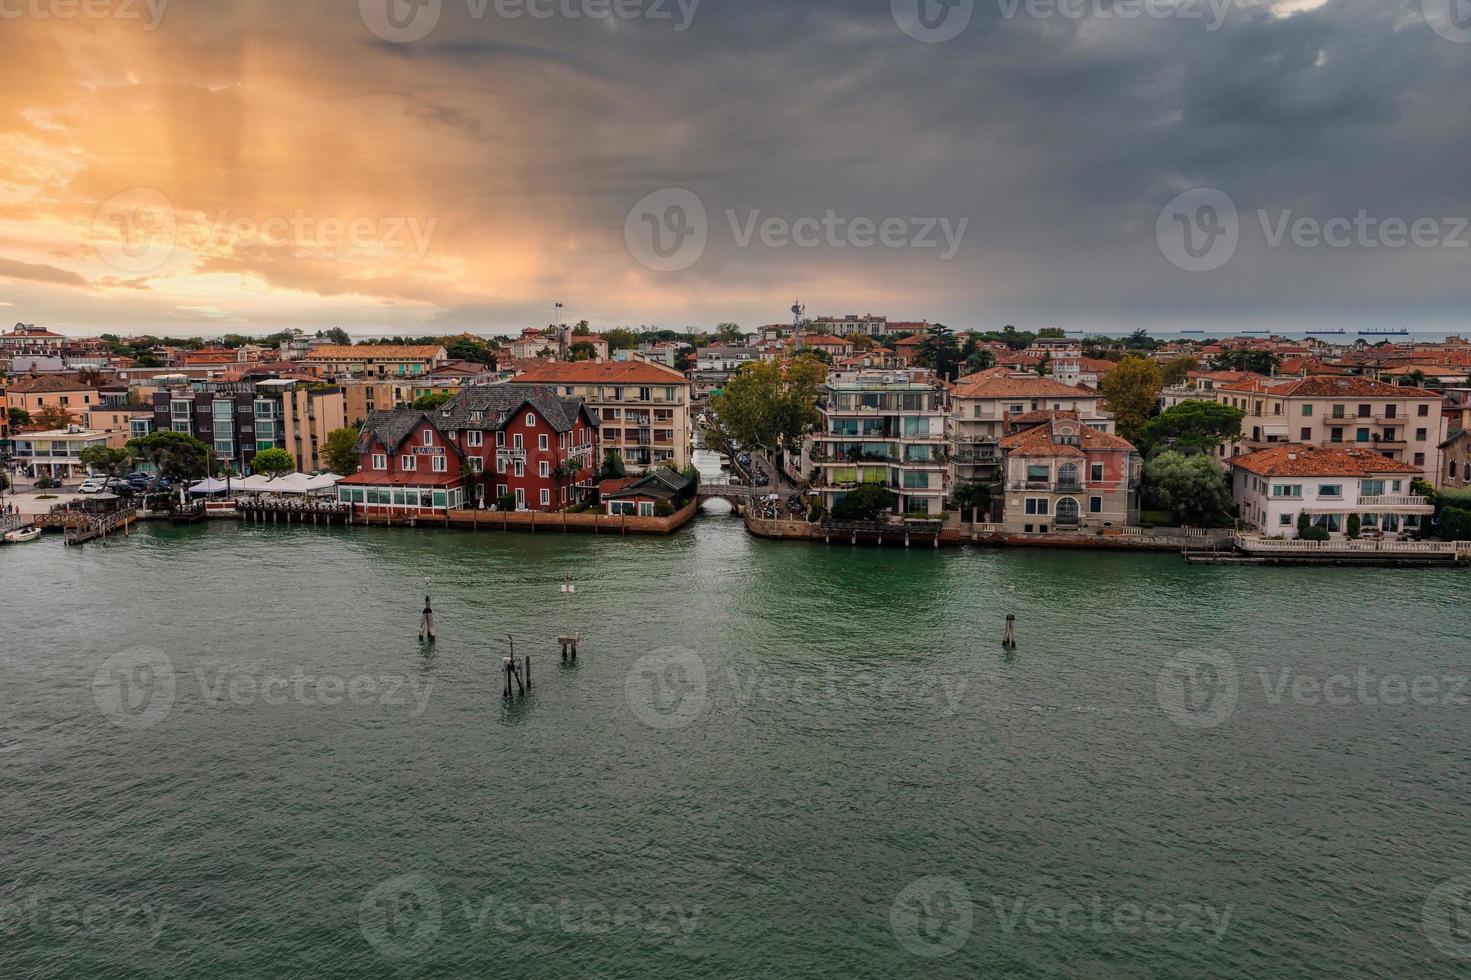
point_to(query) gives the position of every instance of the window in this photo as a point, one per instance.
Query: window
(1362, 435)
(1424, 411)
(1419, 459)
(562, 440)
(1307, 411)
(1095, 472)
(1290, 490)
(500, 438)
(1339, 411)
(428, 437)
(407, 463)
(1335, 435)
(500, 465)
(1287, 520)
(441, 464)
(1038, 473)
(520, 468)
(1330, 490)
(475, 438)
(542, 442)
(380, 461)
(1095, 505)
(1039, 505)
(530, 420)
(544, 469)
(475, 464)
(1307, 434)
(1421, 435)
(1365, 411)
(1391, 411)
(546, 498)
(516, 441)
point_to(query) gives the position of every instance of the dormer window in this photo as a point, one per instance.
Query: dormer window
(477, 416)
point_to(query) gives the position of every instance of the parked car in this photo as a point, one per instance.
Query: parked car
(91, 486)
(140, 481)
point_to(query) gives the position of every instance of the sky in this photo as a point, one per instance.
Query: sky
(434, 166)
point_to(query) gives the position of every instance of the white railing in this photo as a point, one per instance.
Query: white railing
(1394, 501)
(1345, 546)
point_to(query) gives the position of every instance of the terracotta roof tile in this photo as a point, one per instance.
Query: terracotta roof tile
(1291, 459)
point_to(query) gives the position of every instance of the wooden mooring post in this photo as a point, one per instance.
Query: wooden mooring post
(1009, 639)
(568, 639)
(426, 624)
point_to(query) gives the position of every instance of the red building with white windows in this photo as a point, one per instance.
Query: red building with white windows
(521, 443)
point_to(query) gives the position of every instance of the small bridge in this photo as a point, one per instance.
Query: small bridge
(738, 495)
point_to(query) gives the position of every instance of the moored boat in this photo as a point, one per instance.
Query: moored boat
(22, 535)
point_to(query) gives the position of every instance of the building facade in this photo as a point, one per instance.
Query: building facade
(1336, 412)
(884, 427)
(982, 404)
(380, 361)
(57, 453)
(34, 394)
(408, 468)
(644, 409)
(1456, 458)
(1274, 487)
(239, 419)
(1061, 475)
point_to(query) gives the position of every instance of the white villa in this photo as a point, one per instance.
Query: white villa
(1274, 486)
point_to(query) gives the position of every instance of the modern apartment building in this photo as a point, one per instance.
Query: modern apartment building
(885, 427)
(240, 419)
(362, 398)
(57, 453)
(1338, 412)
(1061, 475)
(981, 406)
(644, 408)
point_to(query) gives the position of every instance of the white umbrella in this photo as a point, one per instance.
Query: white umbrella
(253, 484)
(296, 483)
(322, 483)
(209, 486)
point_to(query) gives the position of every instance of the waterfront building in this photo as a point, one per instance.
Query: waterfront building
(1334, 412)
(410, 468)
(1062, 475)
(26, 339)
(644, 408)
(56, 453)
(1456, 452)
(239, 419)
(867, 325)
(375, 360)
(1273, 486)
(35, 393)
(643, 497)
(884, 427)
(981, 405)
(533, 445)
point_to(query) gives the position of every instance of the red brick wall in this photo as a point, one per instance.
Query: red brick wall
(413, 446)
(531, 427)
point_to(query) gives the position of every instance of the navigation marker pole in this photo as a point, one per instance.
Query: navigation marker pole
(1009, 640)
(568, 639)
(426, 624)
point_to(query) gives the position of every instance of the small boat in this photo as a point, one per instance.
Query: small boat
(22, 535)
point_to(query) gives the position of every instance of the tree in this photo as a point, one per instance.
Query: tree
(1044, 364)
(582, 351)
(1192, 488)
(939, 351)
(729, 333)
(1260, 361)
(273, 462)
(104, 460)
(433, 400)
(613, 468)
(53, 417)
(768, 405)
(1355, 526)
(1191, 427)
(1177, 372)
(1307, 532)
(19, 417)
(621, 339)
(981, 360)
(583, 329)
(865, 503)
(472, 350)
(972, 497)
(174, 455)
(1455, 524)
(339, 453)
(336, 335)
(1132, 389)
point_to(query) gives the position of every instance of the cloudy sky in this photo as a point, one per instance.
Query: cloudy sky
(437, 165)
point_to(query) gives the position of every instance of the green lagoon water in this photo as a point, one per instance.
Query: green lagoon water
(222, 752)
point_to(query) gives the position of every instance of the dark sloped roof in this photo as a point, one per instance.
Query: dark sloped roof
(662, 484)
(389, 428)
(497, 404)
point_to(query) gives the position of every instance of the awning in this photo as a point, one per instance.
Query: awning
(294, 484)
(322, 483)
(210, 486)
(253, 484)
